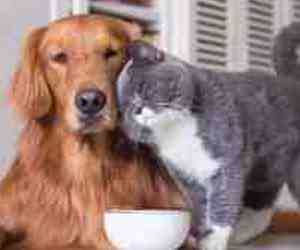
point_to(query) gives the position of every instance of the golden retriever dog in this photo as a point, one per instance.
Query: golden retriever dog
(73, 161)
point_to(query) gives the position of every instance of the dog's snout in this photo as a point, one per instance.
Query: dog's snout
(90, 102)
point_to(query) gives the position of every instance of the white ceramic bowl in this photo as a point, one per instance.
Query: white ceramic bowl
(147, 229)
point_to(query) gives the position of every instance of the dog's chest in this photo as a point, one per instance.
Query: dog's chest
(185, 150)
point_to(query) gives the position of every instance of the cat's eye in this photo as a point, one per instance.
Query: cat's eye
(59, 57)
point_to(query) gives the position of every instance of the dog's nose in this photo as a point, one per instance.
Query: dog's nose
(90, 101)
(142, 52)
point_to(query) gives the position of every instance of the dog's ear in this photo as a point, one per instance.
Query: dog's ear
(29, 91)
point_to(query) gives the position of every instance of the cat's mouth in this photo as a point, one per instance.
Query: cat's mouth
(144, 124)
(137, 127)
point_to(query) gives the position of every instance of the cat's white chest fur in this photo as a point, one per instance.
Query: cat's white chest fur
(175, 135)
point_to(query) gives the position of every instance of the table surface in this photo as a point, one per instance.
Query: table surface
(273, 242)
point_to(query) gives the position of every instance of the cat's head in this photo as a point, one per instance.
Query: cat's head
(154, 90)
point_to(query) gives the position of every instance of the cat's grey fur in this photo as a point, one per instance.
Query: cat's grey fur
(286, 51)
(248, 124)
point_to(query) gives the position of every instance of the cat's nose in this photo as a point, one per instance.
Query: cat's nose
(141, 52)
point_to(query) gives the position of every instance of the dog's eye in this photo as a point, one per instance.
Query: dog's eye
(110, 53)
(60, 57)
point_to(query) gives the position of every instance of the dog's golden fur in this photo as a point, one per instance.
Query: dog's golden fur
(66, 173)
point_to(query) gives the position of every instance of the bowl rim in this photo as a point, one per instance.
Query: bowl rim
(149, 211)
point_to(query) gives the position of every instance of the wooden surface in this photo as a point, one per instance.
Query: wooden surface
(273, 242)
(284, 234)
(286, 222)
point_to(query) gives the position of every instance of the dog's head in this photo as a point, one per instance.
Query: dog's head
(68, 71)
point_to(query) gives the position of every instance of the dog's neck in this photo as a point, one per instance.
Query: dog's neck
(62, 153)
(64, 172)
(74, 178)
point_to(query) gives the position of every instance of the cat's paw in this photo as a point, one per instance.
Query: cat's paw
(217, 240)
(259, 221)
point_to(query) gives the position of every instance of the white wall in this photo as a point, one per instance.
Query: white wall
(17, 17)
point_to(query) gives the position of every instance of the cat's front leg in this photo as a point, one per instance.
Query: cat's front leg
(218, 238)
(208, 233)
(224, 195)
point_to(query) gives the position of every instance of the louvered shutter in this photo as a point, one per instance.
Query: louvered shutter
(209, 33)
(296, 10)
(260, 34)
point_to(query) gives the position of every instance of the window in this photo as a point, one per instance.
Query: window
(216, 34)
(260, 33)
(229, 34)
(296, 10)
(210, 33)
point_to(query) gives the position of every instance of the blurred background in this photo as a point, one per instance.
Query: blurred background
(219, 34)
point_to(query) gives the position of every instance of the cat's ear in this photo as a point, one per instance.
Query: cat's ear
(145, 53)
(122, 82)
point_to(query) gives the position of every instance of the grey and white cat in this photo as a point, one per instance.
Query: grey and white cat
(232, 140)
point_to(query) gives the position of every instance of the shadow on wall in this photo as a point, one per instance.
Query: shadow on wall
(17, 17)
